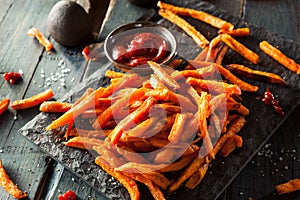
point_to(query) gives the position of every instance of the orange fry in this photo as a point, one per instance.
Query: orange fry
(233, 79)
(127, 182)
(197, 177)
(189, 29)
(83, 142)
(200, 15)
(4, 103)
(55, 106)
(240, 48)
(214, 86)
(112, 74)
(32, 101)
(177, 127)
(230, 144)
(280, 57)
(290, 186)
(8, 184)
(256, 74)
(41, 38)
(240, 32)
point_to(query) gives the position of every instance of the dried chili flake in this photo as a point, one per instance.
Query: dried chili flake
(69, 195)
(12, 77)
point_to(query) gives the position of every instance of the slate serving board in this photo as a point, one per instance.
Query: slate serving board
(261, 123)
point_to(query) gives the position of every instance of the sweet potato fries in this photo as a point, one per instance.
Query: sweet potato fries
(165, 129)
(180, 122)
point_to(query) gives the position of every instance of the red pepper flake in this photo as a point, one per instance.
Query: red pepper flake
(69, 195)
(12, 77)
(269, 99)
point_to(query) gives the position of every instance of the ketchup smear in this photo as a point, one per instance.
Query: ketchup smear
(269, 99)
(69, 195)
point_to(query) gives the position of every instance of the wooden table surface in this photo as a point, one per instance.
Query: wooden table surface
(43, 178)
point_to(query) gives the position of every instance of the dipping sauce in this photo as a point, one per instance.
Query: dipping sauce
(139, 48)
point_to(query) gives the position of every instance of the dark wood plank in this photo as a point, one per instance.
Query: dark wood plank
(233, 6)
(280, 17)
(115, 18)
(24, 163)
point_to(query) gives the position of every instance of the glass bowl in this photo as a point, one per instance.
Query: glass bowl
(131, 45)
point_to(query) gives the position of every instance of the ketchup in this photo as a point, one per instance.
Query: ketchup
(269, 99)
(140, 48)
(69, 195)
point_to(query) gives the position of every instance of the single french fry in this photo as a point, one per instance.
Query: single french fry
(280, 57)
(290, 186)
(221, 55)
(240, 48)
(233, 79)
(127, 182)
(214, 47)
(83, 142)
(256, 74)
(188, 28)
(112, 74)
(239, 32)
(177, 127)
(32, 101)
(55, 106)
(41, 38)
(197, 177)
(9, 185)
(200, 15)
(214, 86)
(241, 108)
(230, 144)
(4, 103)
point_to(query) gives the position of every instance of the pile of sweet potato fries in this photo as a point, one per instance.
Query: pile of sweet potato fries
(163, 130)
(144, 127)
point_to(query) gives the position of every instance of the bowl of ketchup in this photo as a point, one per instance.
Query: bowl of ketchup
(132, 45)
